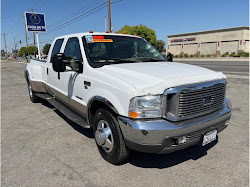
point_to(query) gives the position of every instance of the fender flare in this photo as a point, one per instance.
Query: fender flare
(104, 101)
(27, 75)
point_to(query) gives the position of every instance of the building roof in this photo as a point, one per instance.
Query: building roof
(210, 31)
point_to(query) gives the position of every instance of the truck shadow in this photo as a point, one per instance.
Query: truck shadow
(149, 160)
(86, 132)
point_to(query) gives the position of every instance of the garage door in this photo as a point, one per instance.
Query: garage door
(230, 47)
(208, 48)
(175, 49)
(190, 49)
(247, 46)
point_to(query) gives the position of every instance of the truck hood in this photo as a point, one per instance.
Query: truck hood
(155, 77)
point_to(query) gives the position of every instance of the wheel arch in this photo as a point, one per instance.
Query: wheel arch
(97, 102)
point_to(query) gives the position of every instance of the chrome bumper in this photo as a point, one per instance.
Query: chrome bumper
(156, 136)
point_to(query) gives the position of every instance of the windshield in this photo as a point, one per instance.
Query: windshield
(108, 49)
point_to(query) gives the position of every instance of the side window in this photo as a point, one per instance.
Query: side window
(72, 49)
(56, 48)
(72, 53)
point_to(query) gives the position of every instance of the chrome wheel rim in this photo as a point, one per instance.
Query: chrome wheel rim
(30, 90)
(104, 137)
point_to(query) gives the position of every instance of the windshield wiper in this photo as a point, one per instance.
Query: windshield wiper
(148, 59)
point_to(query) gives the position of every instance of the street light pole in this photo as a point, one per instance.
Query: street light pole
(4, 35)
(34, 41)
(14, 42)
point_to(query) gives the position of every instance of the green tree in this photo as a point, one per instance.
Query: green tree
(23, 51)
(2, 52)
(146, 33)
(142, 31)
(160, 45)
(46, 48)
(32, 50)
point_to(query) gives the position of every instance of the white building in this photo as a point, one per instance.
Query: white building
(210, 42)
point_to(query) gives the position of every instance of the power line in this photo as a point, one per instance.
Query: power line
(78, 17)
(84, 8)
(81, 16)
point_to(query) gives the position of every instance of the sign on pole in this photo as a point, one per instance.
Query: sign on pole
(35, 22)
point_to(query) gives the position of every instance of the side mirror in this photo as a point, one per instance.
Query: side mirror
(57, 62)
(169, 57)
(80, 67)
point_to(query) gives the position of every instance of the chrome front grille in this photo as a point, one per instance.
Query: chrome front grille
(185, 102)
(203, 100)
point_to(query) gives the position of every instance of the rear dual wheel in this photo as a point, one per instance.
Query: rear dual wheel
(32, 95)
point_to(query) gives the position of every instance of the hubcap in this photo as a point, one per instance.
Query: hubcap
(104, 137)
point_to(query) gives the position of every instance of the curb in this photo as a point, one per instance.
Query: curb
(212, 59)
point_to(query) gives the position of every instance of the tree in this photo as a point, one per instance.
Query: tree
(46, 48)
(146, 33)
(32, 50)
(2, 52)
(160, 45)
(23, 51)
(142, 31)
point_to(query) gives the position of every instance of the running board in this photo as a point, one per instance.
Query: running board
(66, 111)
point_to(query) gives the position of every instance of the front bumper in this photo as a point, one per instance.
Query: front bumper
(157, 136)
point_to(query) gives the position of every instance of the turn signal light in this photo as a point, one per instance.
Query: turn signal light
(90, 31)
(133, 114)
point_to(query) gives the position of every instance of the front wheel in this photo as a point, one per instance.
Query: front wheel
(108, 137)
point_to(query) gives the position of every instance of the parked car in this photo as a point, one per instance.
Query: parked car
(125, 90)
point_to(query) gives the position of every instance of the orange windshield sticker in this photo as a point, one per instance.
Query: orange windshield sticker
(102, 40)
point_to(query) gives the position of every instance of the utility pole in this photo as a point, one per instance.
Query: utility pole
(4, 35)
(14, 42)
(34, 41)
(109, 16)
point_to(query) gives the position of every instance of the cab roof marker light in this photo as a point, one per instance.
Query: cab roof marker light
(116, 32)
(90, 31)
(106, 31)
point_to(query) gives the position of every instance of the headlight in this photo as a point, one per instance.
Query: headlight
(145, 107)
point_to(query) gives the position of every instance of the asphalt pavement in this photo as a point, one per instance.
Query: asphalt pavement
(232, 67)
(40, 147)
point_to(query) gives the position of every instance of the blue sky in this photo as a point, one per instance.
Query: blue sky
(164, 16)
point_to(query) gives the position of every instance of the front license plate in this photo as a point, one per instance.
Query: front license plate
(209, 137)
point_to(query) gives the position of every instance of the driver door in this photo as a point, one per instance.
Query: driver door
(71, 81)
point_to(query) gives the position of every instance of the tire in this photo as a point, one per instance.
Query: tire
(111, 145)
(32, 95)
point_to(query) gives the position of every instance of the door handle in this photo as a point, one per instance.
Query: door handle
(47, 71)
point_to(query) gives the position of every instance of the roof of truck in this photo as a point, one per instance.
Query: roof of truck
(95, 33)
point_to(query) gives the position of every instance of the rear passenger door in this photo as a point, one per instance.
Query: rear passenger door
(52, 77)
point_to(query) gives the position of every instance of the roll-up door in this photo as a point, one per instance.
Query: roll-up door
(208, 48)
(190, 49)
(247, 46)
(175, 49)
(231, 46)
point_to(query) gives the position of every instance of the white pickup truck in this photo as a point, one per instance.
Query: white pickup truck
(125, 90)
